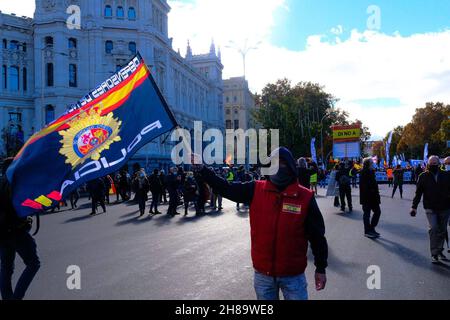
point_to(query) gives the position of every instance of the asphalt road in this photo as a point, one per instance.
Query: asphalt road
(122, 256)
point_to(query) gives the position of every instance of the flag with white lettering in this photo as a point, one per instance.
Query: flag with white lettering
(95, 137)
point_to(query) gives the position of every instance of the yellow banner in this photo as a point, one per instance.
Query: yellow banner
(346, 134)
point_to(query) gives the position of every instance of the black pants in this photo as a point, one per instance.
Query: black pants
(370, 225)
(400, 187)
(74, 197)
(24, 245)
(141, 202)
(173, 203)
(346, 191)
(155, 200)
(100, 201)
(163, 196)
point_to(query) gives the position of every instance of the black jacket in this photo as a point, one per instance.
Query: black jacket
(96, 188)
(9, 221)
(155, 183)
(243, 193)
(436, 194)
(368, 188)
(304, 177)
(343, 176)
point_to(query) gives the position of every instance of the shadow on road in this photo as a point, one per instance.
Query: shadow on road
(355, 215)
(412, 256)
(135, 220)
(344, 268)
(163, 220)
(80, 218)
(404, 230)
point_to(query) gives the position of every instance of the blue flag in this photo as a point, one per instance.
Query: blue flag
(425, 154)
(96, 137)
(313, 150)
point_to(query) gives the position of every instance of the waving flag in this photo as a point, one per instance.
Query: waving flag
(425, 154)
(388, 147)
(96, 137)
(313, 150)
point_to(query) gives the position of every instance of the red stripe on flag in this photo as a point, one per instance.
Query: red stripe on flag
(32, 204)
(55, 195)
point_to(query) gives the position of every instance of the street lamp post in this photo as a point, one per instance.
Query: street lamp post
(243, 51)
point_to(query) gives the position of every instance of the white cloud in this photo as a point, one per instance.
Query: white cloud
(20, 8)
(367, 66)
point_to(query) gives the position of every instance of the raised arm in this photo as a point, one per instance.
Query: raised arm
(237, 192)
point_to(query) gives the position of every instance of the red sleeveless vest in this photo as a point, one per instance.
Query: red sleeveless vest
(277, 221)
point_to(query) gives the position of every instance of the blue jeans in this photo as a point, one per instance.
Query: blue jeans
(25, 246)
(268, 288)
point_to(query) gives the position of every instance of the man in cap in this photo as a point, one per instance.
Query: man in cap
(434, 185)
(284, 217)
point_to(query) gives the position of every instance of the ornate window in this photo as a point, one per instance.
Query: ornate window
(49, 75)
(132, 47)
(49, 41)
(109, 46)
(24, 79)
(72, 43)
(131, 13)
(120, 13)
(14, 78)
(108, 11)
(73, 76)
(5, 77)
(49, 114)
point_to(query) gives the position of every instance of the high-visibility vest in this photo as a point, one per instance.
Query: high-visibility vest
(230, 176)
(313, 178)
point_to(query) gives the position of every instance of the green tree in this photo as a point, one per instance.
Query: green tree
(429, 125)
(301, 112)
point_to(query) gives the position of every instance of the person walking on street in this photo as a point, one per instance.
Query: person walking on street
(284, 217)
(314, 177)
(354, 175)
(156, 190)
(97, 189)
(390, 176)
(370, 199)
(163, 179)
(303, 173)
(417, 173)
(109, 182)
(345, 191)
(446, 168)
(398, 181)
(74, 197)
(141, 187)
(434, 186)
(190, 194)
(15, 239)
(172, 187)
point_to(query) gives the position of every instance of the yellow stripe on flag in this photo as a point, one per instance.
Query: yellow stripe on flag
(44, 201)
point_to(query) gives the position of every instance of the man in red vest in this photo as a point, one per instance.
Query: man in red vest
(284, 217)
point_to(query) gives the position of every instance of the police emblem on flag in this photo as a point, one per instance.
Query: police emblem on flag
(88, 136)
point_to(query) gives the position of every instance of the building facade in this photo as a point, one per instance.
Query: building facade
(47, 65)
(238, 103)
